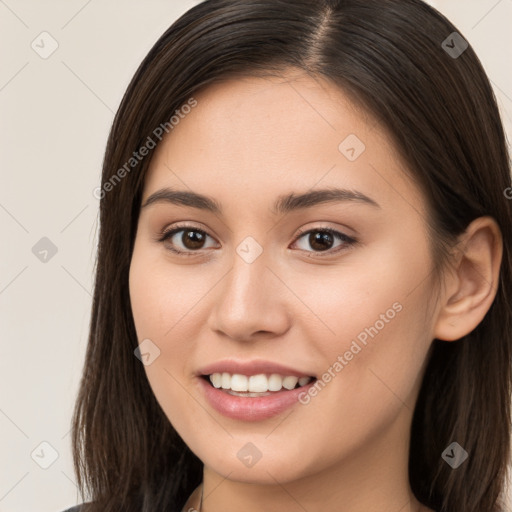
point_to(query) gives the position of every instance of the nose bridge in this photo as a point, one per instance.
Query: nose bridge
(248, 300)
(248, 278)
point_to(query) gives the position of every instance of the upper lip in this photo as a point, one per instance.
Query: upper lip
(249, 368)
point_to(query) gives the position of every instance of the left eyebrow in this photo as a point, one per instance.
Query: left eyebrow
(284, 203)
(291, 202)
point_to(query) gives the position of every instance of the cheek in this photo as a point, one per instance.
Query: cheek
(379, 331)
(365, 292)
(162, 296)
(162, 302)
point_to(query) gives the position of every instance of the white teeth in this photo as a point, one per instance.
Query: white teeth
(216, 380)
(226, 381)
(275, 382)
(290, 382)
(239, 382)
(303, 381)
(260, 383)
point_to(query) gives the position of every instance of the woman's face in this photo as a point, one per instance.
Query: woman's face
(260, 288)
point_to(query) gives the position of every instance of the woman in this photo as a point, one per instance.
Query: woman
(302, 298)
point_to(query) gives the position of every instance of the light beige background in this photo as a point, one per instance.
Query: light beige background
(55, 116)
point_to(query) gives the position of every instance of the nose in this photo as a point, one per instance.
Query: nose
(251, 301)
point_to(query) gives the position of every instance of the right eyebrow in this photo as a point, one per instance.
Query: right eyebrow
(184, 198)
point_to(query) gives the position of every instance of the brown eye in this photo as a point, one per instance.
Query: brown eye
(323, 240)
(191, 239)
(320, 240)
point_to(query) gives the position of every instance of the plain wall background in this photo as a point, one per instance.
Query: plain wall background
(55, 117)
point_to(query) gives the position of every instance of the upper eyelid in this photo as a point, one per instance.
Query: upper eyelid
(177, 228)
(302, 231)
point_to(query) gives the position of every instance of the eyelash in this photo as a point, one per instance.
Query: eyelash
(348, 241)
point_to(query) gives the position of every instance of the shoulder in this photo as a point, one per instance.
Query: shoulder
(76, 508)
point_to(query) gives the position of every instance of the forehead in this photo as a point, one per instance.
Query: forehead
(255, 138)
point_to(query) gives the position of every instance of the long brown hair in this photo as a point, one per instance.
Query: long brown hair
(390, 57)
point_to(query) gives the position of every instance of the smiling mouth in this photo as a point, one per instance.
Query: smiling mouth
(255, 385)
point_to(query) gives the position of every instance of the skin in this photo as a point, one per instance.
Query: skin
(247, 142)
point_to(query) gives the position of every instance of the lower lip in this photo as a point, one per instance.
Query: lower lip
(251, 408)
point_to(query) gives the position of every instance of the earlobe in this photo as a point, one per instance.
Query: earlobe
(471, 286)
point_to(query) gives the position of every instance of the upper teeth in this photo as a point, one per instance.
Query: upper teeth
(256, 383)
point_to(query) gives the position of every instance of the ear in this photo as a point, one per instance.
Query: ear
(471, 285)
